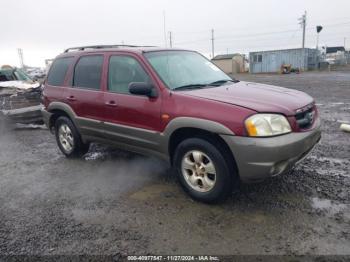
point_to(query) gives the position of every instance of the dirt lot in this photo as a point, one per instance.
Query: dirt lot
(117, 203)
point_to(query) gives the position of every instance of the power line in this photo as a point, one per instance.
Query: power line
(157, 38)
(255, 35)
(262, 26)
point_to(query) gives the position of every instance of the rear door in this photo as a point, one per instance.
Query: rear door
(85, 94)
(54, 84)
(132, 119)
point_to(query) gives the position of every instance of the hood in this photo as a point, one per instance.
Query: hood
(258, 97)
(19, 84)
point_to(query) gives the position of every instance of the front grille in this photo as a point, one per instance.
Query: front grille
(305, 117)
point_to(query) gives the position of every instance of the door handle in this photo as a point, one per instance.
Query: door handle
(111, 103)
(71, 98)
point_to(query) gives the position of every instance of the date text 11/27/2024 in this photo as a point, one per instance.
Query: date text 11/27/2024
(173, 258)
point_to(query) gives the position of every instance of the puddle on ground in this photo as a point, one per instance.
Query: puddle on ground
(91, 156)
(29, 126)
(339, 103)
(153, 191)
(330, 159)
(336, 163)
(97, 216)
(326, 204)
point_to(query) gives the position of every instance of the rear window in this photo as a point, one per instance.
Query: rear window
(87, 72)
(58, 71)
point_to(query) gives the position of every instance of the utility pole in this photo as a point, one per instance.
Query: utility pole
(318, 30)
(212, 43)
(20, 55)
(303, 25)
(170, 40)
(165, 41)
(347, 57)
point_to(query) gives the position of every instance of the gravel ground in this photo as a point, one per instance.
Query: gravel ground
(117, 203)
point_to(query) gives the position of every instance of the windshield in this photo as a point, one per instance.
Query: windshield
(21, 75)
(13, 75)
(184, 68)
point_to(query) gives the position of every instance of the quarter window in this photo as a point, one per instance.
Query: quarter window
(87, 72)
(124, 70)
(58, 71)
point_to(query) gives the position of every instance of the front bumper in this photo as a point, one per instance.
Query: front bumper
(259, 158)
(25, 115)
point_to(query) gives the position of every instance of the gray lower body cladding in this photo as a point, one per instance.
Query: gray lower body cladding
(256, 158)
(259, 158)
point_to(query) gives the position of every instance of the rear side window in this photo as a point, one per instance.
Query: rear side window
(58, 71)
(87, 72)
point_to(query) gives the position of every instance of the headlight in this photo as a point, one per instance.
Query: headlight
(267, 125)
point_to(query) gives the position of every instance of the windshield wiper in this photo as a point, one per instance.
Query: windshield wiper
(191, 86)
(220, 82)
(198, 86)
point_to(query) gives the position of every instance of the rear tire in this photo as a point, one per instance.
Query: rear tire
(203, 171)
(68, 138)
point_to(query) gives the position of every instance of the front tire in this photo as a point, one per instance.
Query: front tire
(68, 138)
(203, 171)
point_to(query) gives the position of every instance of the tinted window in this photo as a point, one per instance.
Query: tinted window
(122, 71)
(87, 72)
(58, 71)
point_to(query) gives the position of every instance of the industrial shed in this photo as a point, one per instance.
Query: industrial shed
(271, 61)
(230, 63)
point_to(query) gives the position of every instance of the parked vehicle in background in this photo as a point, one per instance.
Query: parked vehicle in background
(20, 96)
(175, 104)
(7, 73)
(36, 73)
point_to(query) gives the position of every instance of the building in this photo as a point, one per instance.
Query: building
(334, 49)
(230, 63)
(336, 55)
(272, 61)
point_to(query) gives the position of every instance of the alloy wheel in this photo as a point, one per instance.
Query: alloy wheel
(66, 138)
(199, 171)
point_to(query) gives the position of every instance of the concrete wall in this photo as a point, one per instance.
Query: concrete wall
(231, 66)
(224, 64)
(238, 64)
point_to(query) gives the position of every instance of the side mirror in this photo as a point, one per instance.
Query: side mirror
(141, 88)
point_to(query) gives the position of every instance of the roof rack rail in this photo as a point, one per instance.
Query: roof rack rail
(82, 48)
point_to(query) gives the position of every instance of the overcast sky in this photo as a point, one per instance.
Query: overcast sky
(43, 28)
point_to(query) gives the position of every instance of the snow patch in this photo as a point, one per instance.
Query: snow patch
(19, 84)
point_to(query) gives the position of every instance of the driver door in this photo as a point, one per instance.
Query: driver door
(132, 119)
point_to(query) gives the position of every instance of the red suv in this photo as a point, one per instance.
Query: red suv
(175, 104)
